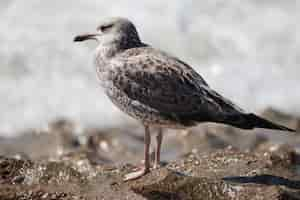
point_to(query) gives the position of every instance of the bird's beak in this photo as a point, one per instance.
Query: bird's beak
(87, 36)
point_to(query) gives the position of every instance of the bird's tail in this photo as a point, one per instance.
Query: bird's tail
(250, 121)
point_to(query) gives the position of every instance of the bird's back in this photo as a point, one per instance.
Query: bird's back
(157, 88)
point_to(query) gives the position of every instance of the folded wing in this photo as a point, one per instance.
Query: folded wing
(171, 87)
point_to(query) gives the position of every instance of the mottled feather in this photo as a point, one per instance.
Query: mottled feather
(168, 86)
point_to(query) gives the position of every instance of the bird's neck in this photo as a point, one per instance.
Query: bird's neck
(107, 51)
(102, 57)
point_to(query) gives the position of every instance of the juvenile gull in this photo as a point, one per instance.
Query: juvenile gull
(157, 89)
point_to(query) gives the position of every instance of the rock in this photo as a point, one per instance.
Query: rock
(66, 131)
(222, 174)
(19, 192)
(167, 184)
(59, 138)
(56, 180)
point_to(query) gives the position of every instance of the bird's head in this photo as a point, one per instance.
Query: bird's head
(113, 31)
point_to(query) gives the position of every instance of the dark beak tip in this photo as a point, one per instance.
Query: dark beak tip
(78, 38)
(83, 37)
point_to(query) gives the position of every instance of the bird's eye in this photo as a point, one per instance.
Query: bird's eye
(104, 28)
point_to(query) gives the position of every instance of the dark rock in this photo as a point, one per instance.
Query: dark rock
(223, 174)
(166, 184)
(284, 156)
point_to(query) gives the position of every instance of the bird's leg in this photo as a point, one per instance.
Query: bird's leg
(159, 138)
(146, 168)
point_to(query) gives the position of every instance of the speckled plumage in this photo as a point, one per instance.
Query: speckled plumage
(158, 89)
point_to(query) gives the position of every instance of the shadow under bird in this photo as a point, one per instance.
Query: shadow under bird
(157, 89)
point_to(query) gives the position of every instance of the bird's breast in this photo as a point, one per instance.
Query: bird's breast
(102, 69)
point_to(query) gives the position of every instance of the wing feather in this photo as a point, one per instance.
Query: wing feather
(169, 86)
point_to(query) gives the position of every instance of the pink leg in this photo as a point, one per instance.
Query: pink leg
(159, 138)
(146, 167)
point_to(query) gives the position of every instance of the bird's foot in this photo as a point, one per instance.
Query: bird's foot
(136, 174)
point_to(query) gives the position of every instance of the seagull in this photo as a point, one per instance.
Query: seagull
(158, 89)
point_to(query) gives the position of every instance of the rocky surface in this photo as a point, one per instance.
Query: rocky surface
(223, 174)
(207, 162)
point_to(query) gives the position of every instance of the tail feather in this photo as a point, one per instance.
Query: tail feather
(250, 121)
(260, 122)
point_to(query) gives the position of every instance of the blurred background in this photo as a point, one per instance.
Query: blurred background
(60, 135)
(247, 50)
